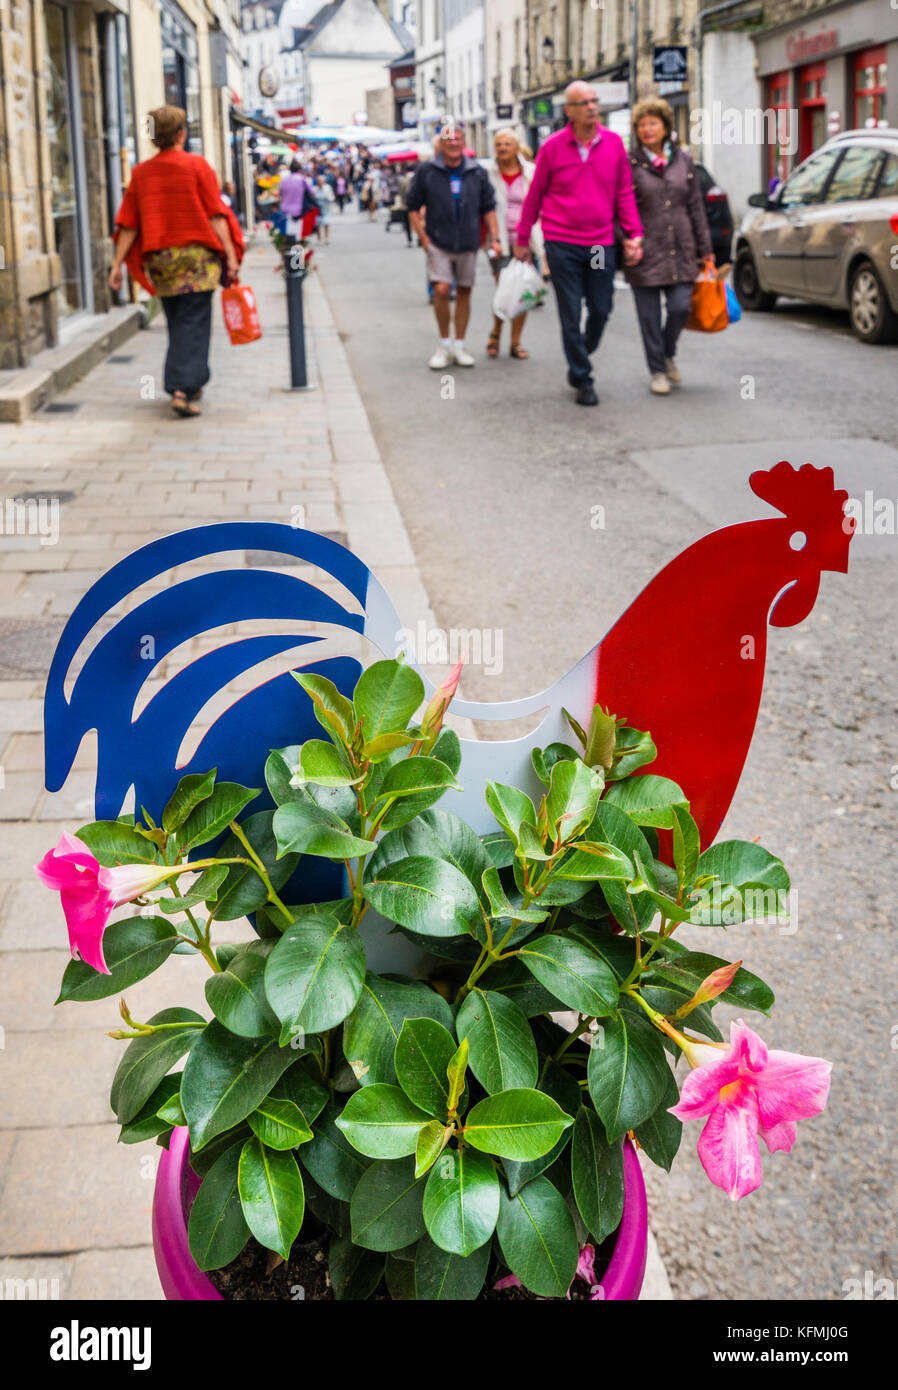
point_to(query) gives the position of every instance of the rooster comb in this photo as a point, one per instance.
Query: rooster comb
(800, 493)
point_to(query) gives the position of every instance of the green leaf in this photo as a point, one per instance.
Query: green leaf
(111, 843)
(214, 814)
(591, 860)
(513, 979)
(225, 1077)
(382, 1122)
(237, 995)
(378, 748)
(573, 973)
(424, 1052)
(441, 1277)
(461, 1201)
(146, 1123)
(243, 890)
(331, 1160)
(432, 1140)
(530, 844)
(271, 1195)
(325, 765)
(281, 765)
(217, 1230)
(510, 807)
(148, 1058)
(691, 968)
(500, 850)
(371, 1031)
(538, 1238)
(627, 1072)
(429, 896)
(437, 834)
(303, 827)
(456, 1070)
(203, 889)
(314, 975)
(133, 949)
(280, 1124)
(386, 697)
(386, 1209)
(332, 710)
(354, 1273)
(617, 951)
(574, 791)
(500, 906)
(661, 1133)
(519, 1124)
(502, 1050)
(614, 827)
(413, 775)
(597, 1169)
(601, 739)
(686, 846)
(562, 1087)
(648, 799)
(759, 879)
(633, 748)
(170, 1111)
(666, 998)
(307, 1095)
(189, 792)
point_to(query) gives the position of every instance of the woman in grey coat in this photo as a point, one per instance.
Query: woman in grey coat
(677, 239)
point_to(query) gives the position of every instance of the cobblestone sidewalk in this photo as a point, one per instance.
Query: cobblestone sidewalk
(74, 1205)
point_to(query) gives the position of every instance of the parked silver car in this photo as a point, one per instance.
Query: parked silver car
(829, 233)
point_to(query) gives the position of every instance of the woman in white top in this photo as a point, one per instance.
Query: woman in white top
(511, 175)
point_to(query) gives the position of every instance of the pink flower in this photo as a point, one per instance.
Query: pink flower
(89, 893)
(511, 1281)
(432, 718)
(746, 1093)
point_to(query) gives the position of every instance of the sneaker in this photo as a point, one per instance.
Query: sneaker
(441, 359)
(659, 384)
(672, 371)
(586, 394)
(463, 358)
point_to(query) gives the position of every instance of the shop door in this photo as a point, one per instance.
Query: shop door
(812, 109)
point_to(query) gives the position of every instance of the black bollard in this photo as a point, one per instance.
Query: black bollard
(294, 274)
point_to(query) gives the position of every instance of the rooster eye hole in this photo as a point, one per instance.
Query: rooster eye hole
(798, 540)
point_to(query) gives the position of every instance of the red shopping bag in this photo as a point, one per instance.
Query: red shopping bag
(708, 313)
(240, 314)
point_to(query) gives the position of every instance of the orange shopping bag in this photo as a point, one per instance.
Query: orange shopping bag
(708, 313)
(240, 314)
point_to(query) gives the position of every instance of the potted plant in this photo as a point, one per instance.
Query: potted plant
(465, 1128)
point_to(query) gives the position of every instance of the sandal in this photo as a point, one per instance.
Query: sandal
(182, 406)
(492, 345)
(519, 352)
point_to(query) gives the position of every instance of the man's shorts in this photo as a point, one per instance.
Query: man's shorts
(445, 266)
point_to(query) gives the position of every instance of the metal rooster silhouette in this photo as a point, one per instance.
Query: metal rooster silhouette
(686, 659)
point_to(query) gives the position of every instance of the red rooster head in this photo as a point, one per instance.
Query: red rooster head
(819, 532)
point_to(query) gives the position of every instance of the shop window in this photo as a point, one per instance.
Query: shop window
(777, 101)
(180, 70)
(870, 88)
(63, 174)
(812, 109)
(856, 175)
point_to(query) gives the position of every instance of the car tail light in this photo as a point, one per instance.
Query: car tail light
(715, 194)
(893, 223)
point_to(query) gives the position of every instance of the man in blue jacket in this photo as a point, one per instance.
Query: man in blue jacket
(454, 193)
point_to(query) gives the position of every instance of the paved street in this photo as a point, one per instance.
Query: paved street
(498, 487)
(480, 511)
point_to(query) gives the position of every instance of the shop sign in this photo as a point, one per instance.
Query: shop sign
(670, 62)
(801, 46)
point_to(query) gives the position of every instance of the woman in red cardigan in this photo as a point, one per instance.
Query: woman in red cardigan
(173, 231)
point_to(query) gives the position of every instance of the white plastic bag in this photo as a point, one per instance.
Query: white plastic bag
(520, 288)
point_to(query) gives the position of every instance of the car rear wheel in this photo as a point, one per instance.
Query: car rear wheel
(748, 286)
(872, 318)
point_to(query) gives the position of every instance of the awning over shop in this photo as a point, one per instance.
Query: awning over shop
(272, 131)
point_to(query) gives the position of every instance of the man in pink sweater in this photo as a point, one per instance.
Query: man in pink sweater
(581, 185)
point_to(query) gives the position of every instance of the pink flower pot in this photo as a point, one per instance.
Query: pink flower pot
(177, 1184)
